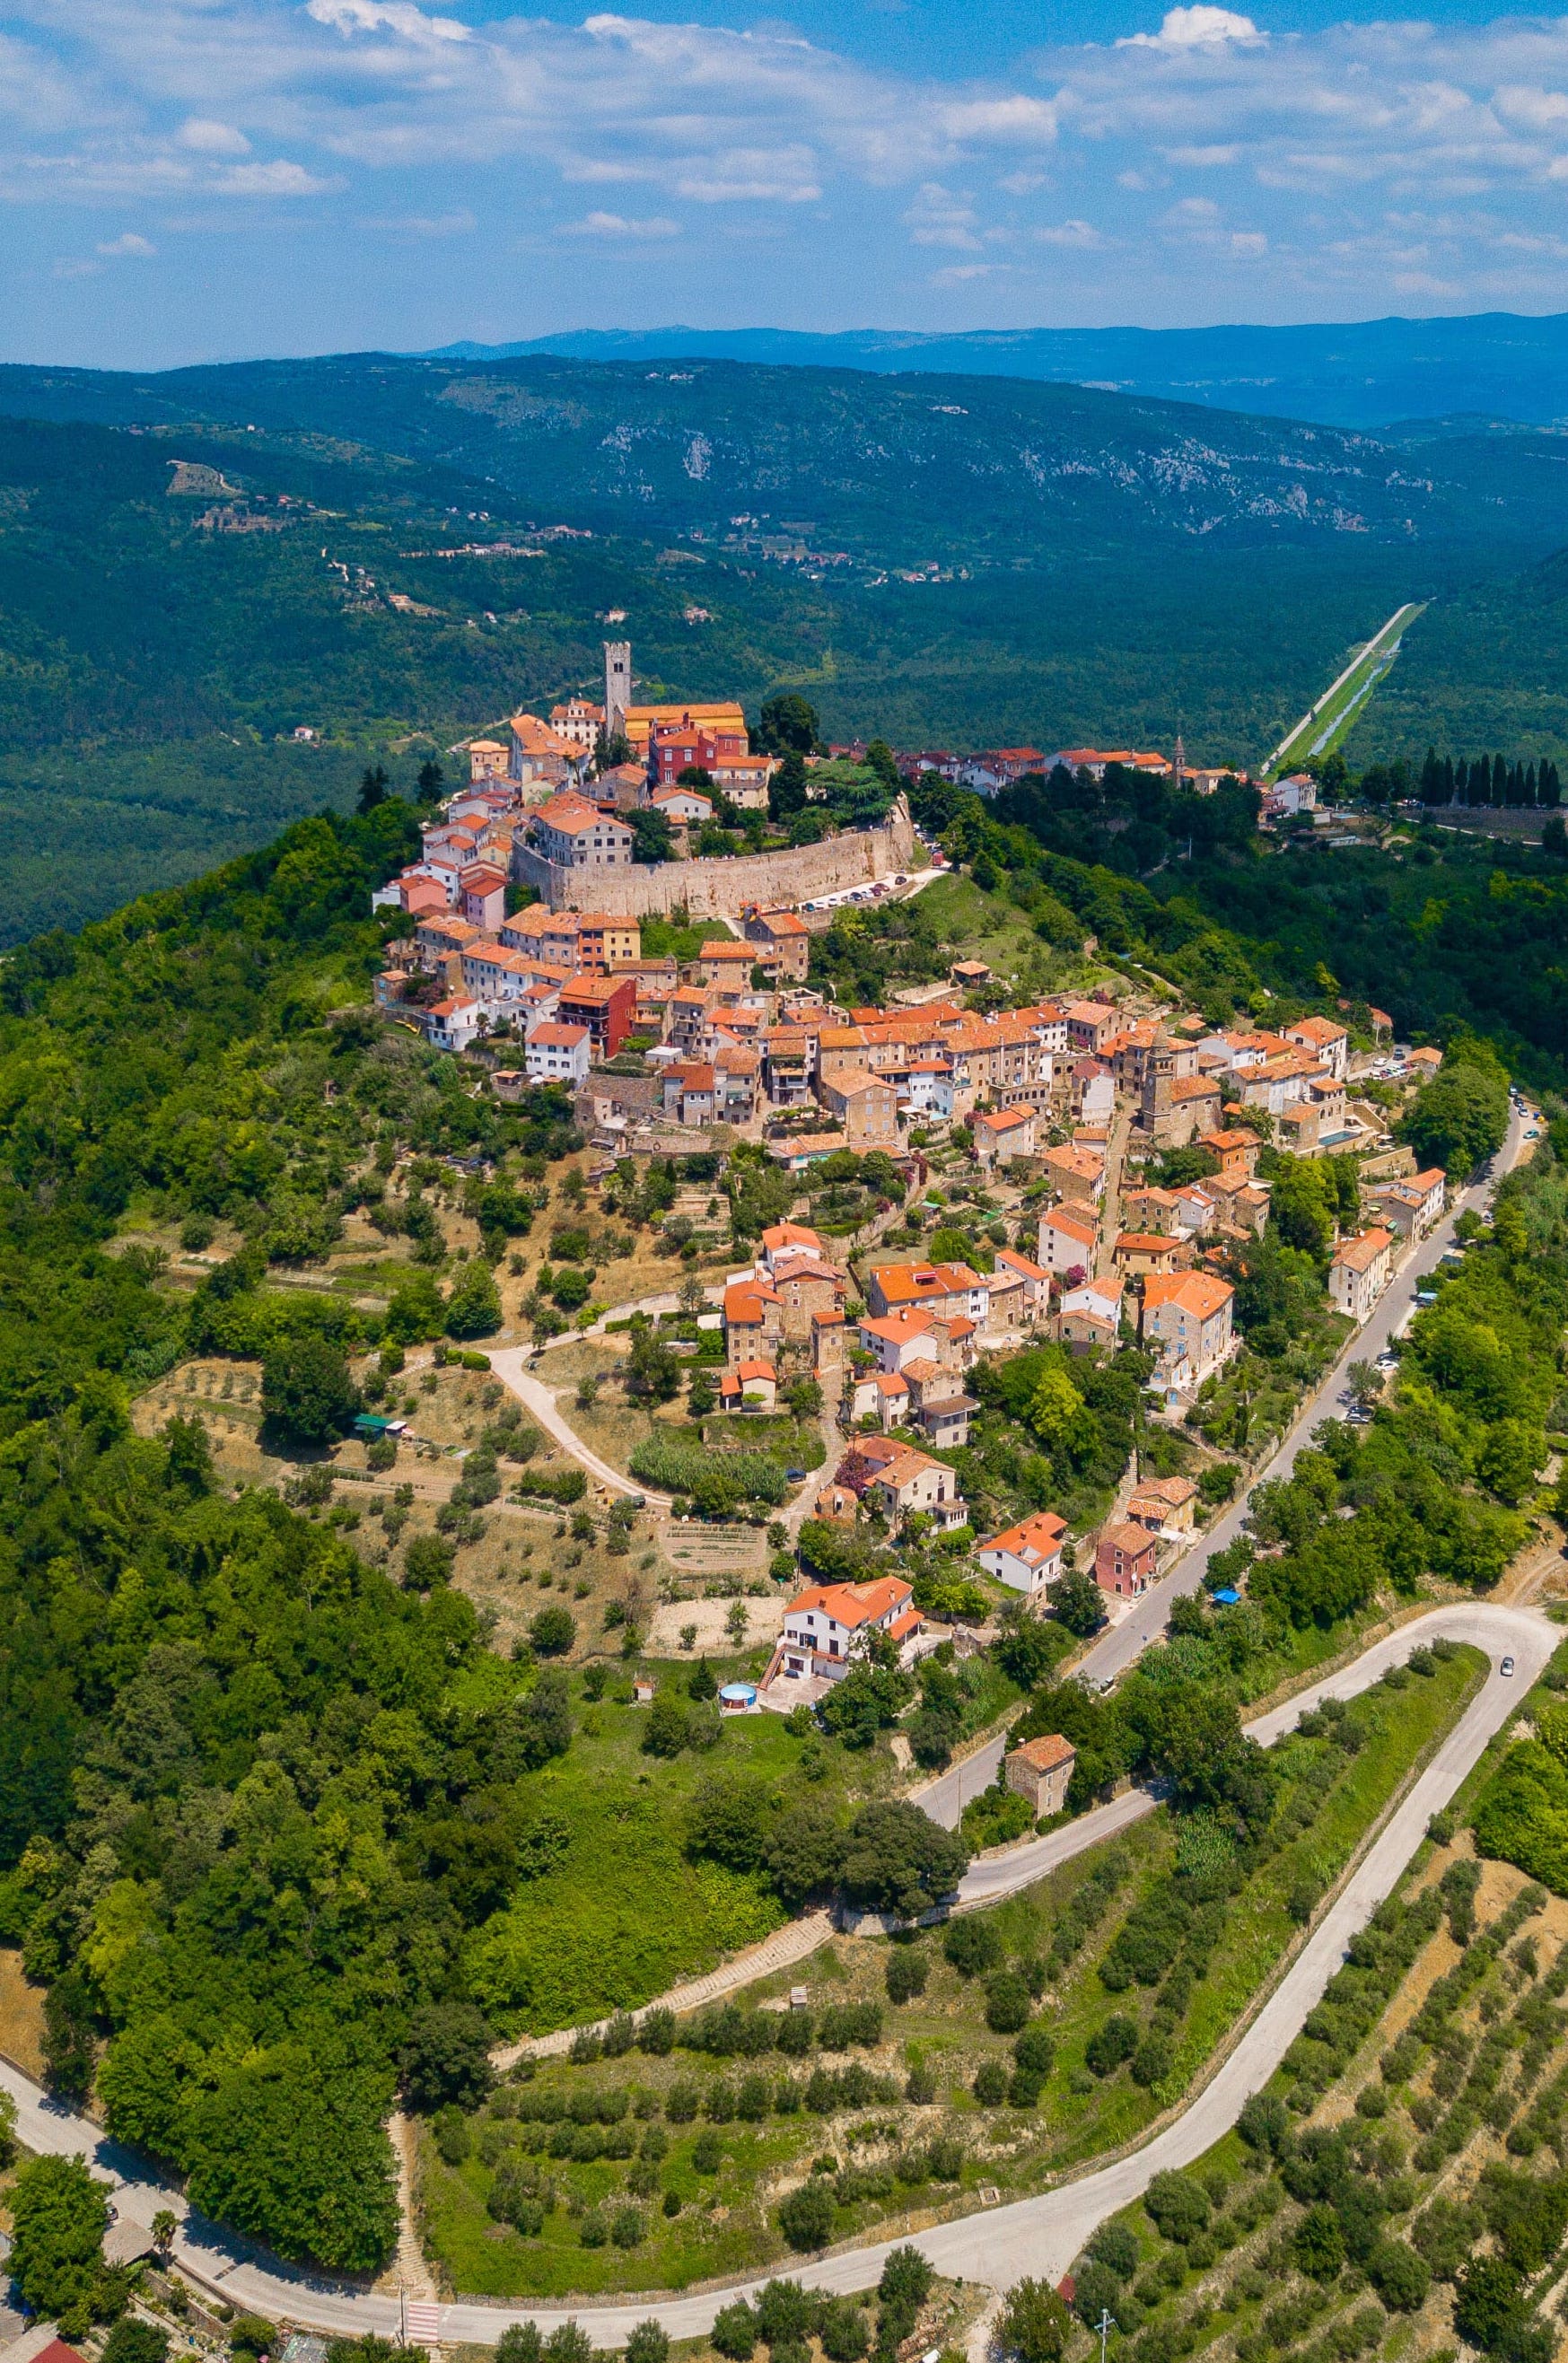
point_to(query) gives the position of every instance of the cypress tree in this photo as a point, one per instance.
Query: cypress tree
(1530, 783)
(1431, 778)
(1448, 779)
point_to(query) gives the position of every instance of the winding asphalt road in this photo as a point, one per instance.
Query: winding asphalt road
(1040, 2235)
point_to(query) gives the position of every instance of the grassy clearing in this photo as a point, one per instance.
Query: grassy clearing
(725, 2175)
(987, 927)
(624, 1913)
(21, 2016)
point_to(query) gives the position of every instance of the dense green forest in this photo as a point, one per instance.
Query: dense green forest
(892, 472)
(215, 1718)
(1021, 565)
(1446, 933)
(152, 668)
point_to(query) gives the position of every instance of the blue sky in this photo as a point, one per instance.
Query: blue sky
(184, 180)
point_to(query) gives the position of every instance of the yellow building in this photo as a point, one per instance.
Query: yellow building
(642, 720)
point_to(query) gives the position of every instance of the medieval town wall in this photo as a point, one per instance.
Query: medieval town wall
(721, 889)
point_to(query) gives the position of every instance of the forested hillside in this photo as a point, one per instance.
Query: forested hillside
(892, 472)
(228, 1749)
(158, 649)
(1447, 933)
(1483, 669)
(193, 567)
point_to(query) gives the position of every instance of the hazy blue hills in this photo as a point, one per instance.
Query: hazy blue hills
(1364, 374)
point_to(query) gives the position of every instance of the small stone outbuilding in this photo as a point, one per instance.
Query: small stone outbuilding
(1039, 1769)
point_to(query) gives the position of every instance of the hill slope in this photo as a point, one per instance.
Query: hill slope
(892, 472)
(192, 566)
(1361, 373)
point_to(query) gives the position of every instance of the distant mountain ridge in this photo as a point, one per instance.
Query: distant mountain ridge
(1364, 373)
(844, 467)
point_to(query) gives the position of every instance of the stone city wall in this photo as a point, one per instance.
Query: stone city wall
(722, 888)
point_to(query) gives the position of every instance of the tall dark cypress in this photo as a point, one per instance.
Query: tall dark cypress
(1448, 779)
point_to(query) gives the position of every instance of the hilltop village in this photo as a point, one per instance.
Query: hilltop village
(1119, 1147)
(859, 1380)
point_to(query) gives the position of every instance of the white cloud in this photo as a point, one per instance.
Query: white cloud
(1014, 121)
(961, 274)
(211, 138)
(1537, 110)
(939, 218)
(1199, 27)
(278, 179)
(394, 114)
(1080, 235)
(754, 176)
(399, 16)
(129, 242)
(616, 225)
(452, 225)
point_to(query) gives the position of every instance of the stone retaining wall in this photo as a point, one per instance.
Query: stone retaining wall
(721, 889)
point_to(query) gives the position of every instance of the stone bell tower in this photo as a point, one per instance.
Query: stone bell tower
(617, 686)
(1158, 1074)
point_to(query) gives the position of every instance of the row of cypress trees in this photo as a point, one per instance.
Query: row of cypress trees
(1488, 779)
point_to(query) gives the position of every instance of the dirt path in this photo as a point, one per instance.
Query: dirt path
(507, 1362)
(796, 1941)
(409, 2274)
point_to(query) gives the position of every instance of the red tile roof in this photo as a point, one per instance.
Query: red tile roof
(854, 1605)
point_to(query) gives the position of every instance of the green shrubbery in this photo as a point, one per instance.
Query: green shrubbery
(714, 1485)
